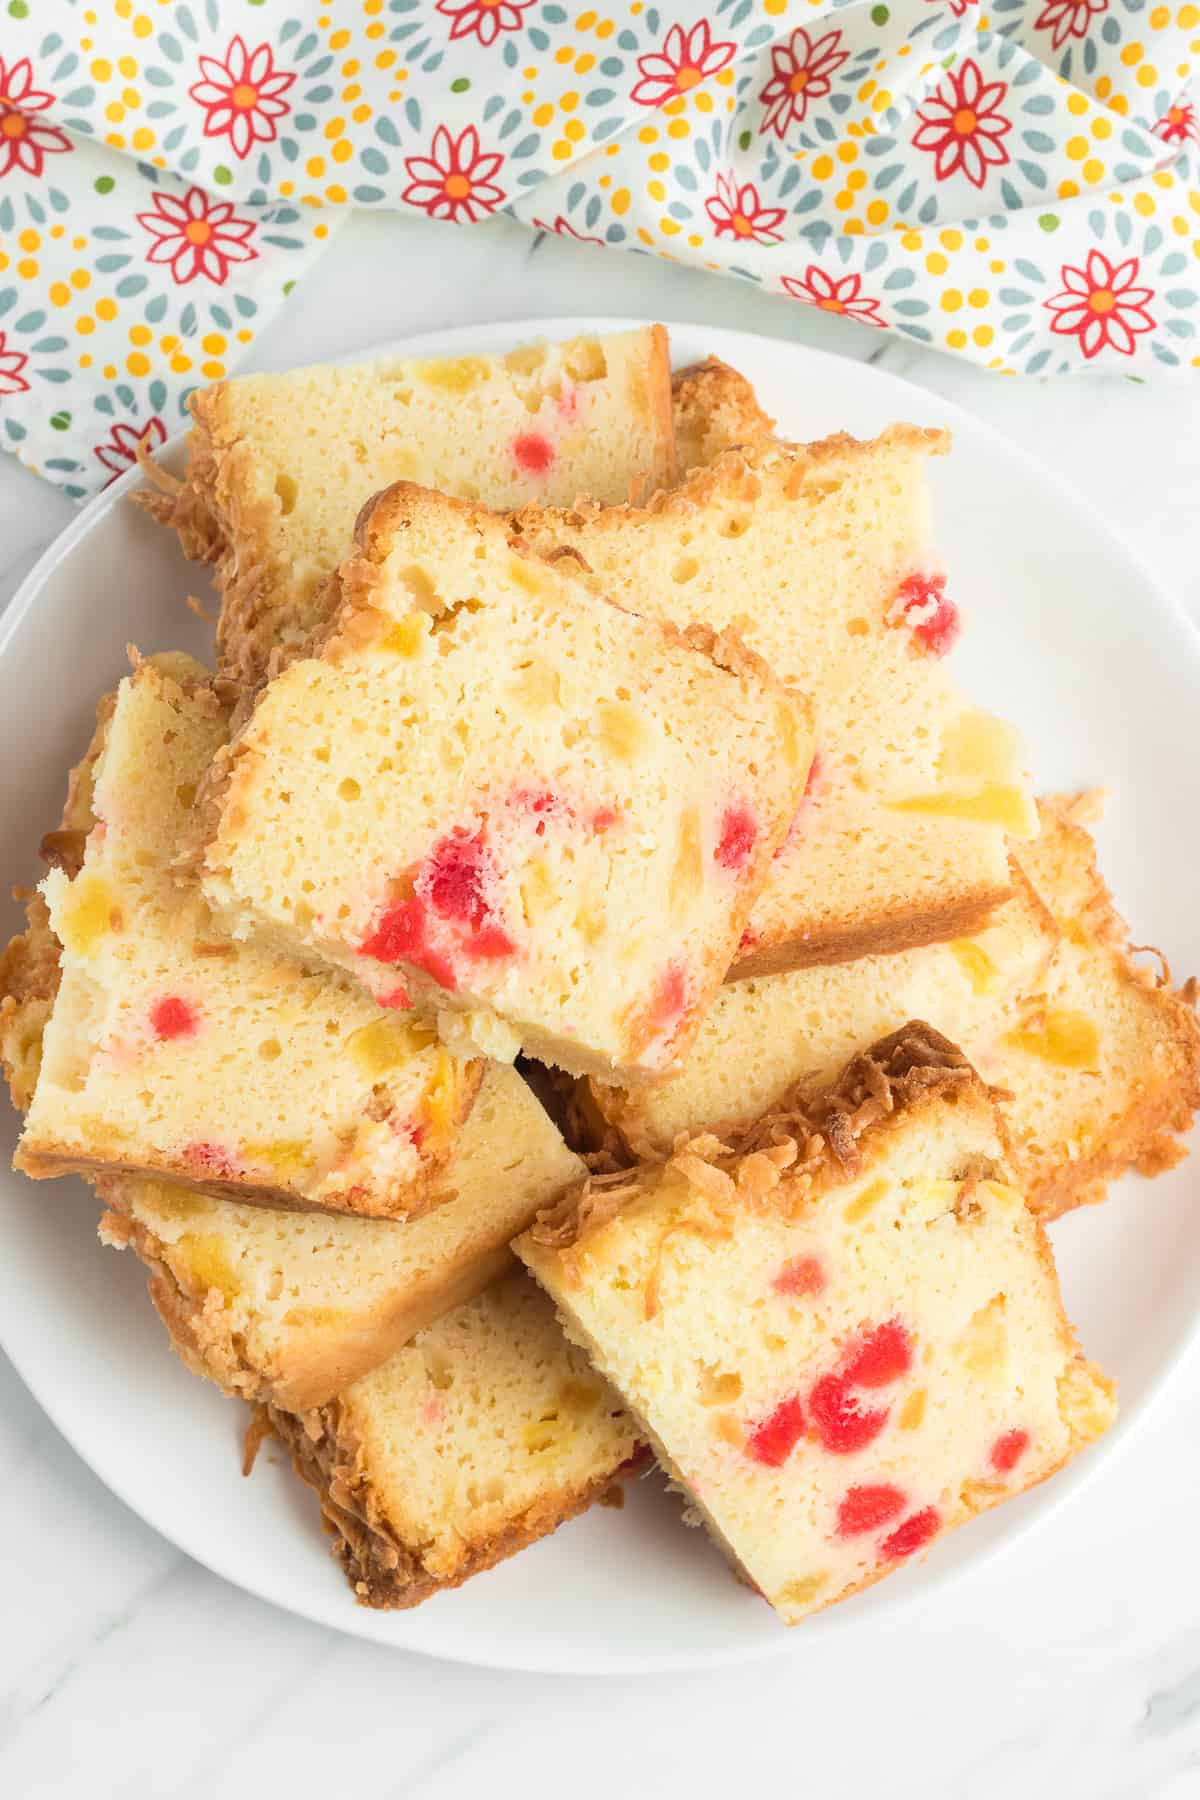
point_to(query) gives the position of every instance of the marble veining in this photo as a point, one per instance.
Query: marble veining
(1067, 1669)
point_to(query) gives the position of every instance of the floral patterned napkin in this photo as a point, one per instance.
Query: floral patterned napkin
(1015, 181)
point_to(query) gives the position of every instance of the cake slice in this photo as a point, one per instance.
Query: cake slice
(292, 1307)
(1099, 1060)
(1102, 1062)
(844, 1336)
(483, 1435)
(170, 1052)
(544, 816)
(279, 464)
(821, 557)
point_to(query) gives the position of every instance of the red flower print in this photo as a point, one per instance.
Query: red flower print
(1068, 18)
(801, 70)
(564, 228)
(24, 140)
(455, 180)
(686, 59)
(11, 363)
(1178, 124)
(242, 96)
(127, 444)
(484, 19)
(1101, 307)
(844, 296)
(197, 236)
(962, 124)
(737, 212)
(957, 7)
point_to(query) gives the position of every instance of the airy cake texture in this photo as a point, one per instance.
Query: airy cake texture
(169, 1051)
(292, 1307)
(540, 813)
(483, 1435)
(279, 464)
(1100, 1060)
(821, 556)
(845, 1335)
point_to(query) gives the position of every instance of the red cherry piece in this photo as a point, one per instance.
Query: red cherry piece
(934, 620)
(439, 967)
(490, 944)
(398, 930)
(533, 453)
(604, 818)
(396, 1001)
(455, 877)
(738, 835)
(867, 1508)
(881, 1357)
(815, 773)
(773, 1441)
(816, 770)
(803, 1275)
(1008, 1450)
(748, 939)
(843, 1425)
(209, 1159)
(545, 805)
(670, 998)
(172, 1017)
(914, 1534)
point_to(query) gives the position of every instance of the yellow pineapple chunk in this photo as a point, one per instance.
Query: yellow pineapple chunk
(687, 876)
(88, 913)
(993, 804)
(619, 729)
(208, 1264)
(453, 374)
(976, 965)
(407, 636)
(1067, 1039)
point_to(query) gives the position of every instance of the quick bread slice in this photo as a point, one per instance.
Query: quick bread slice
(483, 1435)
(716, 409)
(292, 1307)
(280, 464)
(764, 1035)
(1102, 1061)
(1098, 1057)
(545, 816)
(844, 1335)
(284, 1306)
(821, 557)
(170, 1052)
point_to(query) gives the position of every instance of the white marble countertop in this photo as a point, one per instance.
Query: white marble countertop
(1067, 1668)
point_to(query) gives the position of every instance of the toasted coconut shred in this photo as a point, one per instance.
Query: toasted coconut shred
(810, 1138)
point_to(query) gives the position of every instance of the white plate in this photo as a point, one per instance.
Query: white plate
(1067, 636)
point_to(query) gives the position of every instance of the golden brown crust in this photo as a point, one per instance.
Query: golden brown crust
(311, 1366)
(958, 917)
(187, 506)
(810, 1139)
(383, 1571)
(715, 409)
(400, 1205)
(29, 965)
(1162, 1103)
(658, 381)
(734, 475)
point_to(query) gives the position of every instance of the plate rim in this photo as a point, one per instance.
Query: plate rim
(723, 341)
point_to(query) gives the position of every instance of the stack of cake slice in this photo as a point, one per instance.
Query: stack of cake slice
(561, 709)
